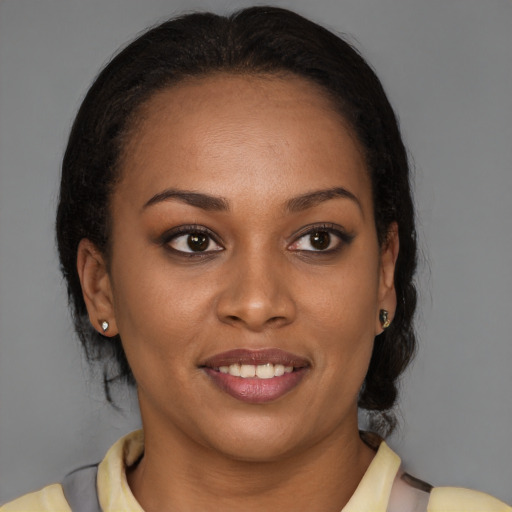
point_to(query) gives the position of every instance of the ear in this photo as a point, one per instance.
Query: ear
(388, 257)
(96, 287)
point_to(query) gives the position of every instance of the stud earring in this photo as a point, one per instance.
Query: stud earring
(384, 318)
(104, 326)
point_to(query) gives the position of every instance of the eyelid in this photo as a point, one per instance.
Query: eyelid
(171, 234)
(333, 229)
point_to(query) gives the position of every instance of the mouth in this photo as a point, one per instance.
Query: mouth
(260, 371)
(256, 376)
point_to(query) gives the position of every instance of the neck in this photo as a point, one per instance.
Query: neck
(178, 474)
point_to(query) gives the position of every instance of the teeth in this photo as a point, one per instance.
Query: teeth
(234, 369)
(247, 371)
(265, 371)
(278, 370)
(262, 371)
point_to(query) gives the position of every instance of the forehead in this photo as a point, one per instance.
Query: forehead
(219, 90)
(257, 131)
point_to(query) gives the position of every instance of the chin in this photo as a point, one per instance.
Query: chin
(258, 440)
(256, 450)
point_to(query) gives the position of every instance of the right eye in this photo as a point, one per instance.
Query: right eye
(192, 241)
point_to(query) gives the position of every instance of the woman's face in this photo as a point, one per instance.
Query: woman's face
(243, 240)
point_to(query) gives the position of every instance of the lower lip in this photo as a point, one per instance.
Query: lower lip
(254, 390)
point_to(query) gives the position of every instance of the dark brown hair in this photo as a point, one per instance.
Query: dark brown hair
(257, 40)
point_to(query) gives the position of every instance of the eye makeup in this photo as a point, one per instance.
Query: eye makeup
(191, 241)
(321, 238)
(197, 242)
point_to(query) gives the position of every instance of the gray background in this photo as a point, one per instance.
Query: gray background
(447, 66)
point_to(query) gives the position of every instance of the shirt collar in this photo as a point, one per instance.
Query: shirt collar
(114, 493)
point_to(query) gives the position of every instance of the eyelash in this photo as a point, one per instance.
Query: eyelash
(344, 238)
(331, 229)
(192, 229)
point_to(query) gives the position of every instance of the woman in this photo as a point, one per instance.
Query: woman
(237, 233)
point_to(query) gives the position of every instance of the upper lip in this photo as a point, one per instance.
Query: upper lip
(256, 357)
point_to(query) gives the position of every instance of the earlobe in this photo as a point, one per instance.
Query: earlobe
(387, 292)
(96, 288)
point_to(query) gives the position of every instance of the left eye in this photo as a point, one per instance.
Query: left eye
(194, 242)
(318, 240)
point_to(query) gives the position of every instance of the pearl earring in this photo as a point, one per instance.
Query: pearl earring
(104, 326)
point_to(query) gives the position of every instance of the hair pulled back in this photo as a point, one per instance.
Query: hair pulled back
(258, 40)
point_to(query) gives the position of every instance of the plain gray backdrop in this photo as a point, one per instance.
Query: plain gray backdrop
(447, 67)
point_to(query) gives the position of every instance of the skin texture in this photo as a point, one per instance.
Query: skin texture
(257, 142)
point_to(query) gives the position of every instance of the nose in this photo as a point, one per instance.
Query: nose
(256, 295)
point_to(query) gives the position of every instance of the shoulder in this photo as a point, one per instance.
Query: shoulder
(50, 498)
(456, 499)
(110, 485)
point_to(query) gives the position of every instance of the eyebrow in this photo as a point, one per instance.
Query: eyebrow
(197, 199)
(311, 199)
(215, 203)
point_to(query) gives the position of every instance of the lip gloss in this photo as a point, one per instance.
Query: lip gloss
(234, 373)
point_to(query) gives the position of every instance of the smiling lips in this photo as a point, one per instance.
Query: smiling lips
(256, 376)
(262, 371)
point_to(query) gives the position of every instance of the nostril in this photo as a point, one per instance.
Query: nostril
(276, 320)
(256, 323)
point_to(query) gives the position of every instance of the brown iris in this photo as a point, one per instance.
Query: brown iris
(197, 242)
(320, 240)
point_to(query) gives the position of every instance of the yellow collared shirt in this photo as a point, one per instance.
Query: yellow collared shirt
(371, 495)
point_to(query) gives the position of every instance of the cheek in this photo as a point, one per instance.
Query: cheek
(341, 312)
(344, 298)
(346, 337)
(347, 345)
(159, 313)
